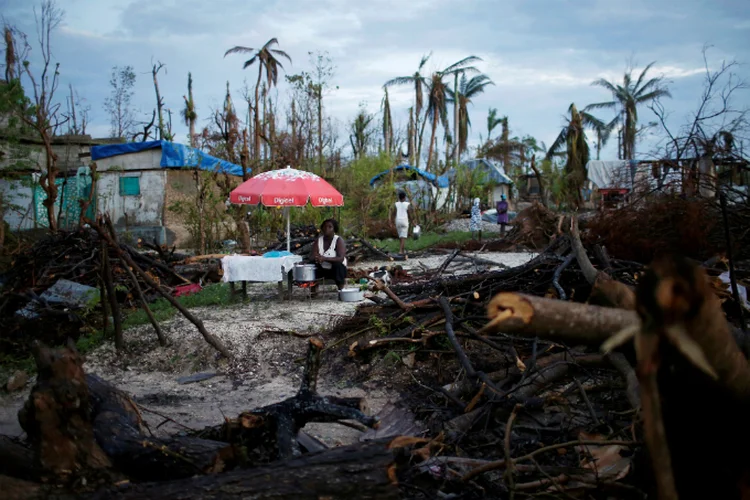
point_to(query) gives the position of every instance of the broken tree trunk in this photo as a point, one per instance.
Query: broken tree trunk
(119, 431)
(56, 418)
(81, 426)
(361, 471)
(555, 320)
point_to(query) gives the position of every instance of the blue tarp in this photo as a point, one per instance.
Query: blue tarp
(172, 156)
(441, 181)
(494, 172)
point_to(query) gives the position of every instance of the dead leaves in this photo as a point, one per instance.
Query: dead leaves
(606, 462)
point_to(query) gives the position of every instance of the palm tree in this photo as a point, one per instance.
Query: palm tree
(189, 115)
(437, 97)
(267, 60)
(572, 140)
(387, 124)
(461, 69)
(492, 121)
(627, 97)
(466, 91)
(603, 133)
(419, 81)
(436, 109)
(361, 133)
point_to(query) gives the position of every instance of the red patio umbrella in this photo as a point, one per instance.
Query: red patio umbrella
(287, 187)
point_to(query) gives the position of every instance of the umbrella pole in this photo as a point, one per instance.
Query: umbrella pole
(288, 235)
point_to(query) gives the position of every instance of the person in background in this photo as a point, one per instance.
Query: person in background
(502, 213)
(329, 254)
(402, 221)
(475, 225)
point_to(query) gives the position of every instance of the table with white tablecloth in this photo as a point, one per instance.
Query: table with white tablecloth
(245, 268)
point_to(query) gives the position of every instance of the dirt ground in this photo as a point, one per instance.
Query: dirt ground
(266, 337)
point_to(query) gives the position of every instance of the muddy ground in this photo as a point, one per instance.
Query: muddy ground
(267, 339)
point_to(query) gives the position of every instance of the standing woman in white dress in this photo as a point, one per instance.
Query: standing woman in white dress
(402, 220)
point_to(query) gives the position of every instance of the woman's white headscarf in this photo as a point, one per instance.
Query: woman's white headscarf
(476, 201)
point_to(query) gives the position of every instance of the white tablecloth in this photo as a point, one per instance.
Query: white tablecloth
(247, 268)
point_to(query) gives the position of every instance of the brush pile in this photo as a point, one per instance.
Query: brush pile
(661, 224)
(74, 259)
(72, 282)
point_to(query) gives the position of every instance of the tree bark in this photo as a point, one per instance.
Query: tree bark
(456, 136)
(678, 397)
(555, 320)
(159, 101)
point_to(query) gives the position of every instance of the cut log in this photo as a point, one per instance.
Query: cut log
(358, 471)
(555, 320)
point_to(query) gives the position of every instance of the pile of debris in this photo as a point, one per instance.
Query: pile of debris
(534, 226)
(574, 375)
(76, 281)
(659, 224)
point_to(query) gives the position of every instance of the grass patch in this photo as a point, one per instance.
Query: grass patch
(87, 343)
(426, 240)
(216, 294)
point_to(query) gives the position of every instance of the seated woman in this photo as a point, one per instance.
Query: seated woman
(329, 253)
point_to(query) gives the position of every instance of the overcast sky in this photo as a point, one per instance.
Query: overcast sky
(541, 54)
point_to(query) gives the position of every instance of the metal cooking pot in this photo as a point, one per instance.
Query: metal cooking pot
(303, 272)
(351, 295)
